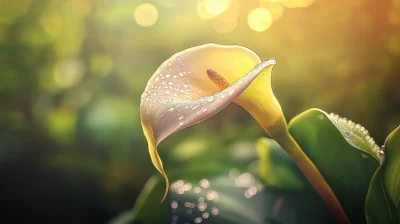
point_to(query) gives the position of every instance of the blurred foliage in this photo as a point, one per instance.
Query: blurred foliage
(227, 194)
(382, 205)
(71, 75)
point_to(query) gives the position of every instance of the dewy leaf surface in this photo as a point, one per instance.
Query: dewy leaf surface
(348, 170)
(357, 136)
(383, 200)
(231, 197)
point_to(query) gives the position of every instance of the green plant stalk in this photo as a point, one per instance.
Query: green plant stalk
(311, 172)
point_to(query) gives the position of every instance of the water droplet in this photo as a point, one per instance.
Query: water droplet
(194, 107)
(180, 124)
(364, 156)
(198, 220)
(210, 99)
(201, 199)
(198, 190)
(170, 83)
(205, 109)
(232, 91)
(247, 194)
(205, 183)
(214, 211)
(174, 204)
(171, 109)
(167, 75)
(240, 81)
(181, 117)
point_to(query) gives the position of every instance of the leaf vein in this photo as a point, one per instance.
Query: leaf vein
(386, 200)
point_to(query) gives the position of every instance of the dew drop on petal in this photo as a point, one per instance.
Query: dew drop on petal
(194, 107)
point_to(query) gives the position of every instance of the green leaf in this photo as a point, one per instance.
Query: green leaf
(348, 168)
(232, 197)
(383, 200)
(276, 168)
(356, 135)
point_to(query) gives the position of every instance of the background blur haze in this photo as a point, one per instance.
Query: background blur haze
(72, 71)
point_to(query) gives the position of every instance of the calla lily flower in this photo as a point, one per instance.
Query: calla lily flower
(196, 83)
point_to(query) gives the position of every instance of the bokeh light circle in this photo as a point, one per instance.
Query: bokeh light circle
(259, 19)
(146, 15)
(216, 7)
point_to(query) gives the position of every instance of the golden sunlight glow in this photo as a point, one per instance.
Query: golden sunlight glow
(216, 7)
(259, 19)
(226, 22)
(201, 10)
(297, 3)
(146, 15)
(275, 9)
(167, 3)
(272, 1)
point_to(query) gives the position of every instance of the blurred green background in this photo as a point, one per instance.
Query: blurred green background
(72, 71)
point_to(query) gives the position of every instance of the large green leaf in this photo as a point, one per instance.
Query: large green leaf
(232, 197)
(276, 168)
(348, 168)
(383, 200)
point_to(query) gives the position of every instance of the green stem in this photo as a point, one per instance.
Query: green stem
(311, 172)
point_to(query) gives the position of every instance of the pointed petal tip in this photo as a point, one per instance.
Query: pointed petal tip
(270, 62)
(166, 186)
